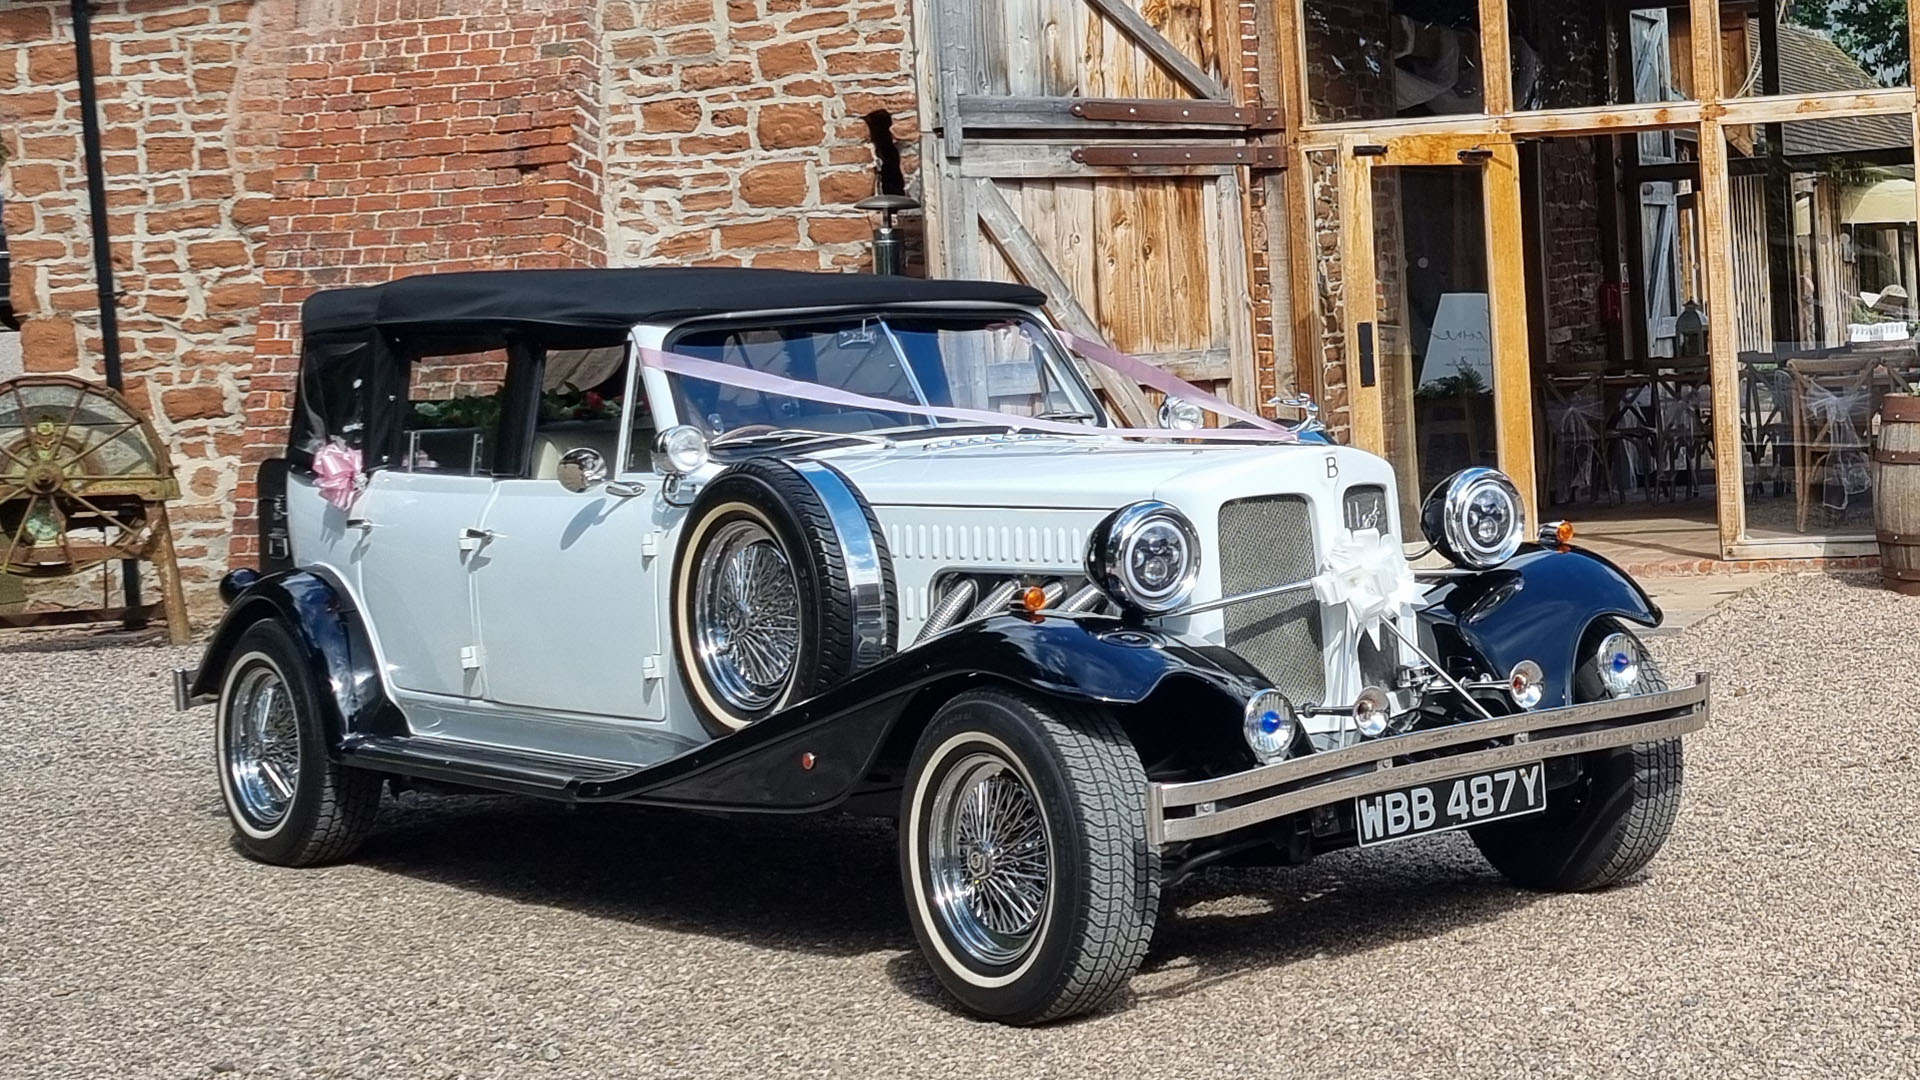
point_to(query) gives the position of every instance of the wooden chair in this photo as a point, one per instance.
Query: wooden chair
(1833, 401)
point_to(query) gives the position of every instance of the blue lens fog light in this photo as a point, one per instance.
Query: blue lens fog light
(1270, 725)
(1619, 663)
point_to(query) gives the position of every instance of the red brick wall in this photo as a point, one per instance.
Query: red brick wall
(433, 135)
(187, 206)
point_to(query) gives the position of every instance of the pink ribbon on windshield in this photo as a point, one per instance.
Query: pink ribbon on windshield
(1148, 374)
(745, 378)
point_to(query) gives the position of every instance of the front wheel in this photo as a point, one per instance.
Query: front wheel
(1611, 822)
(1029, 880)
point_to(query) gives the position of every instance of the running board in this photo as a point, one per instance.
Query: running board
(490, 767)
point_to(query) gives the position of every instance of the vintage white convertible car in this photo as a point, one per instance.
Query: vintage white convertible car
(772, 542)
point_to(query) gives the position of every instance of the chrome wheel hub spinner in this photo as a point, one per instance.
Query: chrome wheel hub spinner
(263, 745)
(747, 616)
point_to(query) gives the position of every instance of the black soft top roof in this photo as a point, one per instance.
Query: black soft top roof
(599, 303)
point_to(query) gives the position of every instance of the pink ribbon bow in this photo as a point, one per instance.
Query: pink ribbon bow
(336, 472)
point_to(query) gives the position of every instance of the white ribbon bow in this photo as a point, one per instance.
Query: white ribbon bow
(1369, 574)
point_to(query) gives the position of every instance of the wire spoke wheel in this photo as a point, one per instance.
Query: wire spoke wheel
(263, 745)
(990, 858)
(747, 616)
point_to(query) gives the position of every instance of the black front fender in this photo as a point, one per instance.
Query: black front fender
(319, 613)
(1537, 606)
(840, 734)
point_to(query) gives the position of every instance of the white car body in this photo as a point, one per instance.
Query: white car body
(475, 589)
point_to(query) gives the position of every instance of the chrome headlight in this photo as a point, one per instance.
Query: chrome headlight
(681, 449)
(1475, 518)
(1179, 414)
(1146, 556)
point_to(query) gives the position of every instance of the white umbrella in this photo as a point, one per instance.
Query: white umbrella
(1887, 202)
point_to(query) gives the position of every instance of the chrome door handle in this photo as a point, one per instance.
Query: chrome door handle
(362, 524)
(474, 539)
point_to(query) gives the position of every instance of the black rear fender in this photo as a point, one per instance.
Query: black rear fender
(320, 615)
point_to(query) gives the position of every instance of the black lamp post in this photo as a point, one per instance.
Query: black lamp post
(102, 248)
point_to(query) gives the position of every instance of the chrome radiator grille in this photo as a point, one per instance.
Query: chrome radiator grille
(1269, 541)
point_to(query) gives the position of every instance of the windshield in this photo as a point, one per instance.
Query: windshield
(993, 364)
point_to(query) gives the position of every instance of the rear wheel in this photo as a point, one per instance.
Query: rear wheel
(290, 803)
(1609, 824)
(1029, 880)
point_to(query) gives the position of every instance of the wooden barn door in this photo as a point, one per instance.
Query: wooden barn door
(1094, 150)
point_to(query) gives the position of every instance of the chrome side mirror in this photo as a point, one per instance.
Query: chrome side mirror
(582, 469)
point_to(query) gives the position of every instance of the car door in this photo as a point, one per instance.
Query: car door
(415, 528)
(567, 583)
(413, 558)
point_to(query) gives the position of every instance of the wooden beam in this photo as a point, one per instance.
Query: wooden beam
(1507, 315)
(1023, 253)
(1235, 288)
(953, 51)
(1716, 243)
(1496, 63)
(1358, 295)
(1142, 33)
(1773, 110)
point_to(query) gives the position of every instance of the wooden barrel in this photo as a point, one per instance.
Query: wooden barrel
(1896, 493)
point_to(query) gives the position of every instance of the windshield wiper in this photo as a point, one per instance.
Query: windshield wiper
(1070, 415)
(793, 435)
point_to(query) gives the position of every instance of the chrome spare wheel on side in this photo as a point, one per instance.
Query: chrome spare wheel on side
(262, 742)
(747, 615)
(989, 858)
(780, 592)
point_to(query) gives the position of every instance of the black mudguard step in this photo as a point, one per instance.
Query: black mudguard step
(491, 767)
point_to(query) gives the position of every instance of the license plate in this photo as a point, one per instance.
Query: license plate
(1451, 804)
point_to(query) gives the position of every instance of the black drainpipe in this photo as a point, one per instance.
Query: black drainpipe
(102, 250)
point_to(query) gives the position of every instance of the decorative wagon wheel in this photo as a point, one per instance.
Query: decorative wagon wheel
(83, 481)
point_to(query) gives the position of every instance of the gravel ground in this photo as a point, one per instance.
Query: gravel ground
(498, 937)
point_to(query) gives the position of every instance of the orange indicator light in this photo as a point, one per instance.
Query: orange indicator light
(1034, 598)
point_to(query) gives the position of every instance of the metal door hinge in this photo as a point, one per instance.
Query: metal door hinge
(650, 668)
(1253, 156)
(1175, 113)
(649, 545)
(469, 657)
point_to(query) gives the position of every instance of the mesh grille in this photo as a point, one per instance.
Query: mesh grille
(1269, 541)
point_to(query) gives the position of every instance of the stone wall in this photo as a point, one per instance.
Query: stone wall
(727, 116)
(188, 207)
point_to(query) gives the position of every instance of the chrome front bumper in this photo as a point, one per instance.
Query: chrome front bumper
(1202, 808)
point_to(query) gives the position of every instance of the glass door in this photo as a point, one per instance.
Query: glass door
(1436, 308)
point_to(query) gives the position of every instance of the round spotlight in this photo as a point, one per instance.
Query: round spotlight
(682, 447)
(1527, 683)
(1620, 664)
(1372, 712)
(1270, 725)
